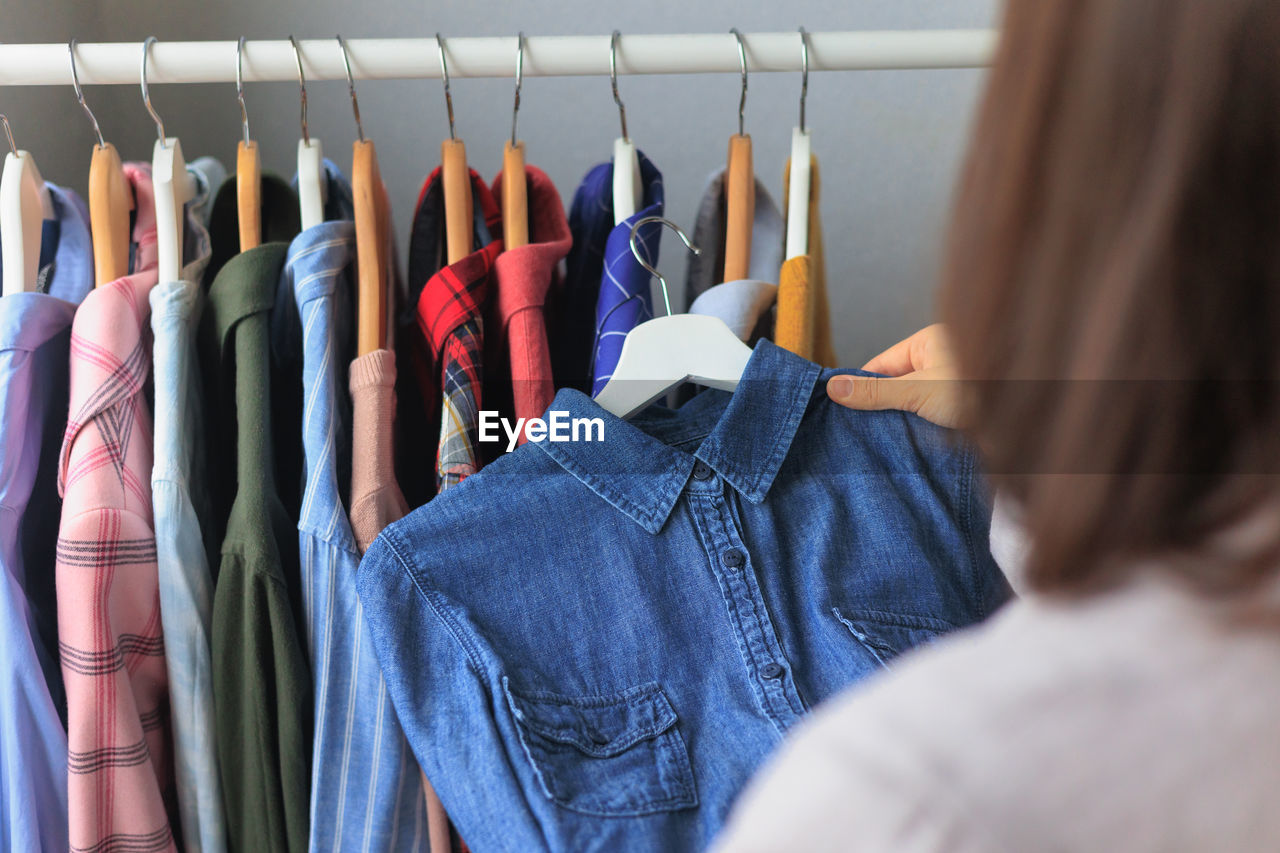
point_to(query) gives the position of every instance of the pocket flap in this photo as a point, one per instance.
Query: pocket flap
(600, 726)
(887, 635)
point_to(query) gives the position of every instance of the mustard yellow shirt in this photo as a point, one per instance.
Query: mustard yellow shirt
(804, 319)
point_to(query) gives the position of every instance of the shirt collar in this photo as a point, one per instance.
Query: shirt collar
(641, 467)
(245, 285)
(318, 256)
(196, 244)
(66, 243)
(72, 277)
(280, 217)
(742, 304)
(767, 232)
(525, 273)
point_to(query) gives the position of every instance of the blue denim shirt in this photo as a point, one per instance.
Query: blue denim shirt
(592, 645)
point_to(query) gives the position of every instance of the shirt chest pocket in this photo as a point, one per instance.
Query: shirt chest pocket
(611, 755)
(887, 635)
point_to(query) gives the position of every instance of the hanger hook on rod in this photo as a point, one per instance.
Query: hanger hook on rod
(302, 84)
(613, 81)
(640, 259)
(9, 133)
(146, 94)
(515, 110)
(75, 81)
(244, 112)
(351, 87)
(444, 74)
(804, 74)
(742, 64)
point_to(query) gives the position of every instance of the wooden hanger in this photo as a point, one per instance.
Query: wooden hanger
(798, 177)
(628, 191)
(661, 354)
(515, 189)
(740, 191)
(459, 230)
(248, 172)
(371, 235)
(249, 194)
(110, 205)
(110, 198)
(24, 205)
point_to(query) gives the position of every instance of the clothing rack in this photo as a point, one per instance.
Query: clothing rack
(544, 56)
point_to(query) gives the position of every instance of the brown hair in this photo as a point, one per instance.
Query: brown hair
(1112, 282)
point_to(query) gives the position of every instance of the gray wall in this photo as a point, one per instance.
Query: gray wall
(888, 141)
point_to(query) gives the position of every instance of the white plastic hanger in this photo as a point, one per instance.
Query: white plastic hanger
(172, 185)
(628, 191)
(311, 182)
(798, 181)
(24, 205)
(663, 353)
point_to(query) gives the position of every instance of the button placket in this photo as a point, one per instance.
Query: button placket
(757, 638)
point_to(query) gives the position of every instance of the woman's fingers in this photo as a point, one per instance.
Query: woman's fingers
(926, 348)
(934, 394)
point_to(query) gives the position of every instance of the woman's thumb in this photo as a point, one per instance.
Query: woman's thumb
(872, 392)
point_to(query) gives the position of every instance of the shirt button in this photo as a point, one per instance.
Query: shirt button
(733, 558)
(772, 670)
(701, 471)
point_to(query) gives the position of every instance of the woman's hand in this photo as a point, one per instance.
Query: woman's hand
(923, 380)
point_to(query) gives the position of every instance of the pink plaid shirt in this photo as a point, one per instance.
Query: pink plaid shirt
(112, 650)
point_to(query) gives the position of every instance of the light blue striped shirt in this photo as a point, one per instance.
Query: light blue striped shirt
(366, 790)
(186, 584)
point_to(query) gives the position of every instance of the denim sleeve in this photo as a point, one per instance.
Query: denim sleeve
(442, 686)
(992, 584)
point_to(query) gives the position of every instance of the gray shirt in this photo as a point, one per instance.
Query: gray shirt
(1141, 720)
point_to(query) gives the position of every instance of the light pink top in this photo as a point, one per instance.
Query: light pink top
(376, 499)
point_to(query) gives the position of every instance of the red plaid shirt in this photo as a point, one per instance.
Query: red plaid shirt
(451, 317)
(111, 647)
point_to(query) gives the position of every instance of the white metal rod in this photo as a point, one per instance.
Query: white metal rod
(384, 59)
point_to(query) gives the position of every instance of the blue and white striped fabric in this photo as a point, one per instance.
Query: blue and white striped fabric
(180, 502)
(366, 790)
(624, 302)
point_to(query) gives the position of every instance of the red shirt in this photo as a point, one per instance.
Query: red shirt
(525, 276)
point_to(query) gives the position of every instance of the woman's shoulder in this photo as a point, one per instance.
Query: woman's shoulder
(1135, 720)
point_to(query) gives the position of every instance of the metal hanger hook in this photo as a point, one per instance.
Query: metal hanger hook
(444, 74)
(9, 133)
(75, 81)
(742, 64)
(804, 74)
(302, 84)
(146, 94)
(244, 112)
(515, 110)
(635, 250)
(613, 81)
(351, 87)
